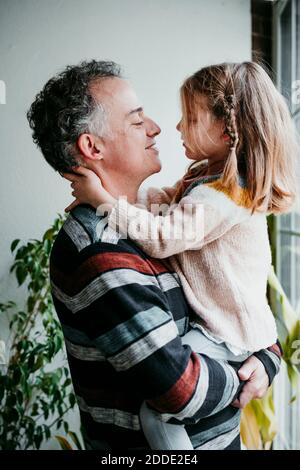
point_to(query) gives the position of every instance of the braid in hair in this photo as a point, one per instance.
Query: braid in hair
(231, 166)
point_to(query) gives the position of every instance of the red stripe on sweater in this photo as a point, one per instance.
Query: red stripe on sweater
(182, 391)
(102, 262)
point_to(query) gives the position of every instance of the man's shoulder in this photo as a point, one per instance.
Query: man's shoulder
(88, 235)
(85, 228)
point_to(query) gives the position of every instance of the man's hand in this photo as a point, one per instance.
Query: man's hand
(257, 381)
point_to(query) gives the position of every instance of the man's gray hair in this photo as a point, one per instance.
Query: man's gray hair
(66, 108)
(96, 121)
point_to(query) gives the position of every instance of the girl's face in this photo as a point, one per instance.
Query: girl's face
(202, 134)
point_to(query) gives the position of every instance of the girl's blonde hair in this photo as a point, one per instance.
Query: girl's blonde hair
(262, 135)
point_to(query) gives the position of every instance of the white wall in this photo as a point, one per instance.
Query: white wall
(158, 43)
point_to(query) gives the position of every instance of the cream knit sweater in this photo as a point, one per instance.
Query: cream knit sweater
(223, 259)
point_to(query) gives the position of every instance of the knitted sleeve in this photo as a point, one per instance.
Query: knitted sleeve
(202, 216)
(271, 359)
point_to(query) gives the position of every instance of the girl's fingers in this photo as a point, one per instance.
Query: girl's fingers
(81, 170)
(77, 172)
(71, 206)
(70, 176)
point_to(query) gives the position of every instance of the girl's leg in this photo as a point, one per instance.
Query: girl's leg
(203, 345)
(166, 436)
(161, 435)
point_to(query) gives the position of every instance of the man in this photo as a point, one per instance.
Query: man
(123, 313)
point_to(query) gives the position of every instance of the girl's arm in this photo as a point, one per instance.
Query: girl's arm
(199, 218)
(87, 188)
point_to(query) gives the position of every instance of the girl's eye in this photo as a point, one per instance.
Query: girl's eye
(139, 123)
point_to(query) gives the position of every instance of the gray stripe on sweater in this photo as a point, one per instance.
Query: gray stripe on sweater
(143, 348)
(108, 281)
(225, 432)
(114, 416)
(84, 353)
(77, 233)
(230, 389)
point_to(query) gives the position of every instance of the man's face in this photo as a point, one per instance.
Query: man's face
(128, 149)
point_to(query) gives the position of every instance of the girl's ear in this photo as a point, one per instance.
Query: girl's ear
(90, 146)
(225, 137)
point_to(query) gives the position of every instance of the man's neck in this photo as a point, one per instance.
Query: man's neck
(120, 187)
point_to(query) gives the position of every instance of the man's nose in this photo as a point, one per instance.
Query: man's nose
(153, 129)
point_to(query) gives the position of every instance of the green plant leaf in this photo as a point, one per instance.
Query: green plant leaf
(289, 315)
(66, 427)
(37, 439)
(67, 382)
(14, 245)
(26, 379)
(48, 235)
(72, 400)
(39, 363)
(47, 432)
(21, 274)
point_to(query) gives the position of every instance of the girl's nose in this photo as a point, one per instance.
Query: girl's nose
(178, 127)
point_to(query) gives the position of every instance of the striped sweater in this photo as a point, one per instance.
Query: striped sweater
(123, 315)
(220, 251)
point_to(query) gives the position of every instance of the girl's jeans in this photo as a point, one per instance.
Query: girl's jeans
(165, 436)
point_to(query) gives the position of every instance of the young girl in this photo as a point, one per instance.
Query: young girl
(236, 127)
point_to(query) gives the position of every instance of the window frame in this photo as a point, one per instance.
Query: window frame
(288, 425)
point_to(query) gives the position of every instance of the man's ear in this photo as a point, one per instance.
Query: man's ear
(90, 146)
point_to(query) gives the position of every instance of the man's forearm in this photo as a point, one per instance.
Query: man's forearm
(217, 387)
(213, 393)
